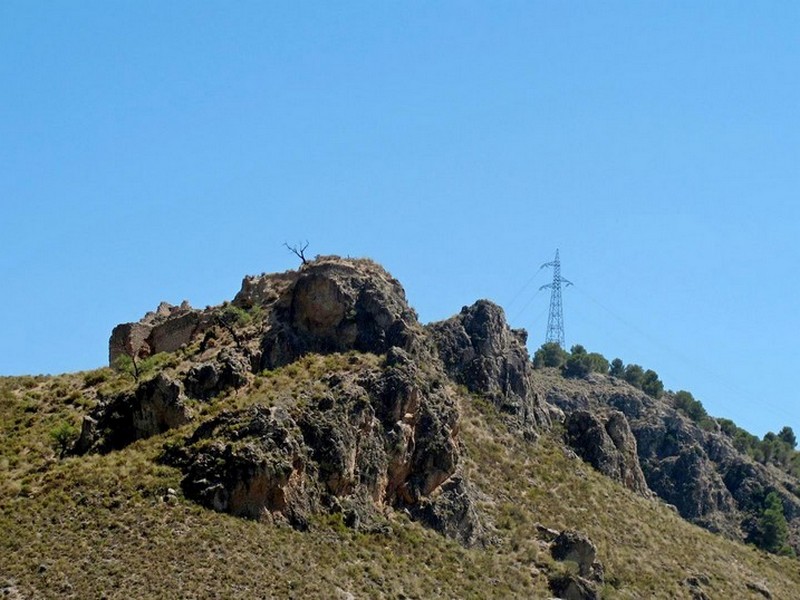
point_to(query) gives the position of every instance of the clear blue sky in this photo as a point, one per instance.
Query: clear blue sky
(161, 150)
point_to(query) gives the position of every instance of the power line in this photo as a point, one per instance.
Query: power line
(698, 366)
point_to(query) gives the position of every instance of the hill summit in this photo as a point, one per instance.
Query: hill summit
(314, 413)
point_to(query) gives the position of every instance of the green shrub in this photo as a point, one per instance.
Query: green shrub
(577, 364)
(651, 384)
(685, 402)
(63, 435)
(549, 354)
(773, 531)
(633, 375)
(617, 368)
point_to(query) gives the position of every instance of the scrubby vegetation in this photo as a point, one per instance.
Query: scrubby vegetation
(776, 449)
(579, 363)
(105, 526)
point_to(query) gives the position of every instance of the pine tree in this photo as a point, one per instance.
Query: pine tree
(773, 530)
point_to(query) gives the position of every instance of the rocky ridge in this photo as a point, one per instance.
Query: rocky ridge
(385, 435)
(360, 441)
(697, 470)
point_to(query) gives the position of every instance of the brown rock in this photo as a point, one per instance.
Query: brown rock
(337, 305)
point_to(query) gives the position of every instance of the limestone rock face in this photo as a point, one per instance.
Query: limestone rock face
(336, 306)
(154, 407)
(482, 352)
(607, 443)
(386, 437)
(164, 330)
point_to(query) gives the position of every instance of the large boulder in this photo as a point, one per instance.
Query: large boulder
(573, 587)
(228, 370)
(451, 510)
(480, 351)
(576, 547)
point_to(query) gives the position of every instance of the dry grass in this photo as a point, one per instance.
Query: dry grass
(647, 549)
(99, 527)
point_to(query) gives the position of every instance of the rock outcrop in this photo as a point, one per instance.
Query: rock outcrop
(451, 510)
(573, 587)
(250, 463)
(697, 470)
(154, 407)
(575, 546)
(480, 351)
(228, 369)
(360, 440)
(384, 437)
(606, 442)
(164, 330)
(335, 306)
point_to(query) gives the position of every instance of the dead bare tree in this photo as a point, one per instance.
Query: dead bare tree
(130, 351)
(299, 252)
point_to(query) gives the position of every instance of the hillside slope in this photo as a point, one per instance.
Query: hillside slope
(313, 440)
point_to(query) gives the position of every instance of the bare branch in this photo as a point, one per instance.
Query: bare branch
(298, 251)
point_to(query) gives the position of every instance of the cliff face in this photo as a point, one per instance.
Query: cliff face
(480, 351)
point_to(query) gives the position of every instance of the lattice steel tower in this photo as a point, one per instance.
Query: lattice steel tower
(555, 321)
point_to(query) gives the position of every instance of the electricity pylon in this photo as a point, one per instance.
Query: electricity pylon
(555, 321)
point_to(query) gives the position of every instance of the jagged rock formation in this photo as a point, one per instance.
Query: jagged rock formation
(698, 471)
(375, 438)
(164, 330)
(362, 441)
(605, 441)
(481, 352)
(388, 436)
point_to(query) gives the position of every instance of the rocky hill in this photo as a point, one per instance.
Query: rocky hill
(312, 438)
